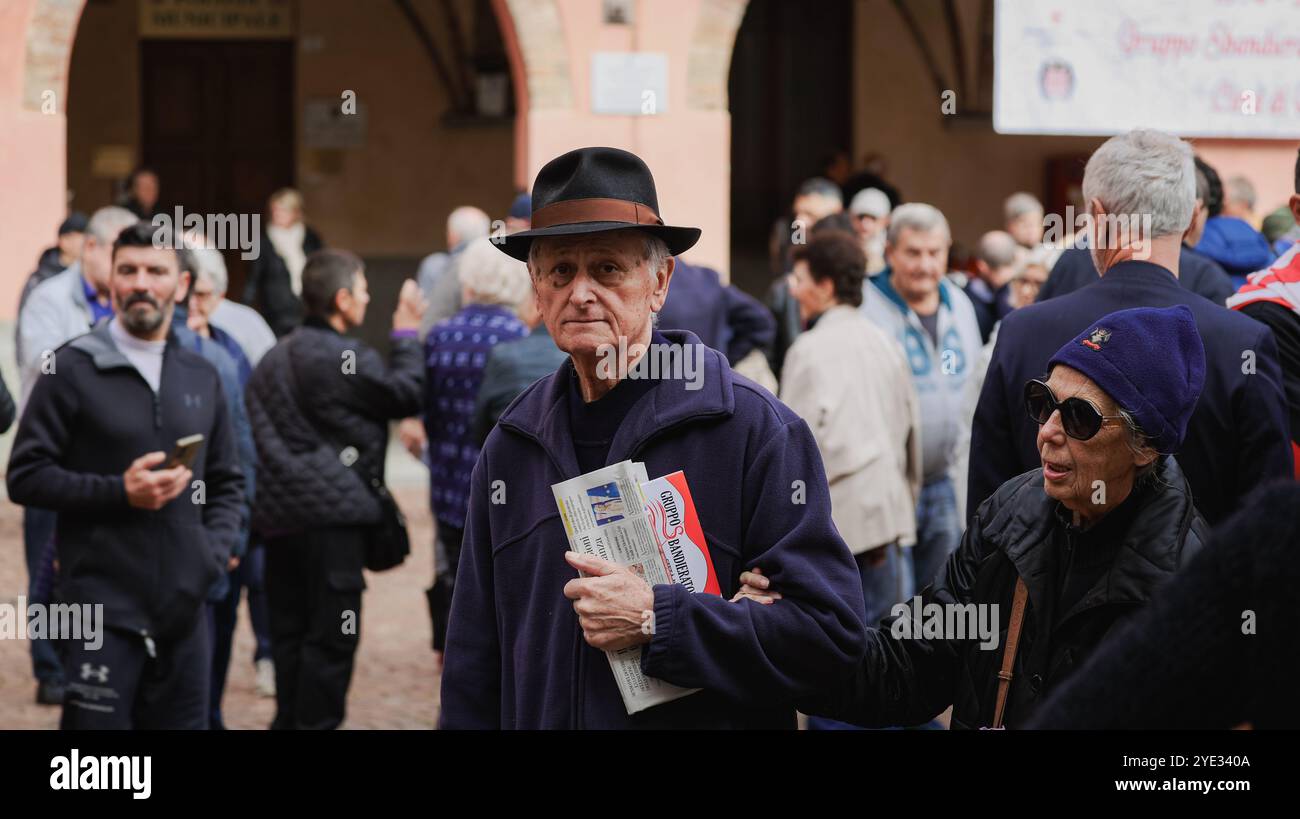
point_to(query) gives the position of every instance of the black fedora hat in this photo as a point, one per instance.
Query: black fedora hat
(593, 190)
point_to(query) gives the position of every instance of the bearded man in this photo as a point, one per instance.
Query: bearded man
(139, 538)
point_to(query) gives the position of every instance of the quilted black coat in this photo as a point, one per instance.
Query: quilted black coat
(316, 460)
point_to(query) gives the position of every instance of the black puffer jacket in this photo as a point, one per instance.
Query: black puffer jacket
(315, 462)
(1020, 532)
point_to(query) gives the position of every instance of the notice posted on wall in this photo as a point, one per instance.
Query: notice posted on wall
(1207, 68)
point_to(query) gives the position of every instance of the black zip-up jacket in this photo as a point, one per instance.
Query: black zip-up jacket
(305, 479)
(87, 420)
(1019, 532)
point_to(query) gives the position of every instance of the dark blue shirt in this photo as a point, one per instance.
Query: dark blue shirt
(97, 311)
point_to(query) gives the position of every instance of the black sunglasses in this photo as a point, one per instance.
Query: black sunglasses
(1080, 419)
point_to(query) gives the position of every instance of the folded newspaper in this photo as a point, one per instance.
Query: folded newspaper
(650, 526)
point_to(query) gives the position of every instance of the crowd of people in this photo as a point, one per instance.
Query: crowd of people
(1076, 434)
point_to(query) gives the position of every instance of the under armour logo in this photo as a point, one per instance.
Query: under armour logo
(100, 674)
(193, 401)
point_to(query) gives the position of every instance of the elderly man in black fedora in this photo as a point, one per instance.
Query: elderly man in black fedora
(527, 635)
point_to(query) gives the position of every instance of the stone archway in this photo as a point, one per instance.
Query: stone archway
(709, 64)
(543, 40)
(50, 35)
(541, 55)
(36, 39)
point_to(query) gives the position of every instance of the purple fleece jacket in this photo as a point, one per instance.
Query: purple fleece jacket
(515, 655)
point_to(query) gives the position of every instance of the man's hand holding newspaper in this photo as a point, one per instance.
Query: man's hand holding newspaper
(627, 534)
(612, 602)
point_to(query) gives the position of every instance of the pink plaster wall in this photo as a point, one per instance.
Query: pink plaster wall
(32, 148)
(1268, 164)
(688, 151)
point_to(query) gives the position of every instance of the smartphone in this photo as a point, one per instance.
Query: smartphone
(187, 449)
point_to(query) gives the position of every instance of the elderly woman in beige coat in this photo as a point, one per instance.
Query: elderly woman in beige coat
(851, 383)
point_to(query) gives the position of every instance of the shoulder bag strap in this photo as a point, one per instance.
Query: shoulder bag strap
(1009, 651)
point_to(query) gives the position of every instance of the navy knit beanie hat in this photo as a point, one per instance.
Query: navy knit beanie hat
(1150, 361)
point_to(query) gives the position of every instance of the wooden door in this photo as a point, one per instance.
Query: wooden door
(218, 126)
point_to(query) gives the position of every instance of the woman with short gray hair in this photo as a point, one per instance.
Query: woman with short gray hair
(493, 285)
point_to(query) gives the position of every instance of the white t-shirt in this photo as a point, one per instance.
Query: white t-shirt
(146, 356)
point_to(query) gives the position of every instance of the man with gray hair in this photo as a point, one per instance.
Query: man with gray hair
(996, 262)
(67, 305)
(436, 275)
(1239, 199)
(1197, 272)
(870, 213)
(816, 199)
(238, 325)
(1140, 189)
(933, 320)
(1024, 219)
(441, 289)
(530, 620)
(1229, 236)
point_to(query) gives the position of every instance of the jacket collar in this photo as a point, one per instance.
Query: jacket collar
(319, 324)
(886, 287)
(486, 310)
(98, 344)
(1026, 527)
(76, 284)
(837, 314)
(1134, 273)
(542, 411)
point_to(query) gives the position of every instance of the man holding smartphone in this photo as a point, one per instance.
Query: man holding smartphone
(144, 542)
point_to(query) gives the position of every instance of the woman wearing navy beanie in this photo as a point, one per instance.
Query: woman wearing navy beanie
(1058, 557)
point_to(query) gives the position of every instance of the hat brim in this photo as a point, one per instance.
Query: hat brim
(517, 245)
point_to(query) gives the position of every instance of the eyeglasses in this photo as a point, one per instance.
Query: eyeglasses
(1080, 419)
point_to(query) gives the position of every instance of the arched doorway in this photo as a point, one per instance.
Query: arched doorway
(385, 115)
(791, 105)
(389, 198)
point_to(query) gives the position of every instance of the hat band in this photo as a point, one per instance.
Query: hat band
(574, 211)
